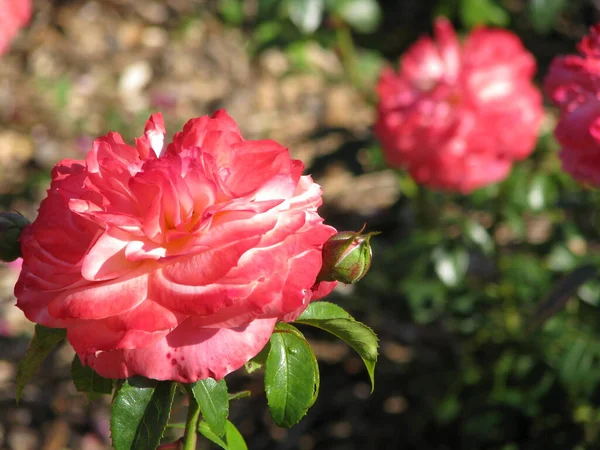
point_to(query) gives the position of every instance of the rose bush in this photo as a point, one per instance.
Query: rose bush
(573, 85)
(14, 15)
(457, 117)
(174, 263)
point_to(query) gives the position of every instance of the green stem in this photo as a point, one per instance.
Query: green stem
(347, 51)
(190, 435)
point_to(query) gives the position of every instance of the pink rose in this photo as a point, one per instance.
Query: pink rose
(14, 15)
(174, 263)
(456, 117)
(573, 85)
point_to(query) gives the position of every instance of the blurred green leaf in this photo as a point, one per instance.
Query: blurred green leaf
(561, 259)
(42, 343)
(477, 234)
(482, 197)
(370, 64)
(543, 14)
(306, 14)
(561, 293)
(448, 409)
(298, 54)
(589, 292)
(63, 88)
(267, 8)
(291, 376)
(425, 298)
(362, 15)
(483, 12)
(114, 120)
(140, 412)
(523, 277)
(514, 200)
(450, 266)
(213, 400)
(232, 11)
(408, 186)
(264, 34)
(542, 192)
(579, 364)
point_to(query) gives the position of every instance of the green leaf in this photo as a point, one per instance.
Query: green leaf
(362, 15)
(213, 399)
(544, 13)
(233, 438)
(259, 360)
(558, 298)
(483, 12)
(306, 14)
(87, 380)
(323, 311)
(204, 430)
(42, 343)
(335, 320)
(140, 412)
(291, 376)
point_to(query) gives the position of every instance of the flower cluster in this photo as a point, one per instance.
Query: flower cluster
(456, 117)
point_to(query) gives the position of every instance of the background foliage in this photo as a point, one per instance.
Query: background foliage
(457, 281)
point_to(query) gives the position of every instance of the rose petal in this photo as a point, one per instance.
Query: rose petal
(188, 354)
(90, 336)
(106, 259)
(102, 299)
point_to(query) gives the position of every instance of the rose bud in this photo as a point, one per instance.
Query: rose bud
(11, 225)
(346, 257)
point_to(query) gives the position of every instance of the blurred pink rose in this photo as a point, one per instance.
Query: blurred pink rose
(573, 84)
(14, 15)
(174, 263)
(14, 265)
(456, 117)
